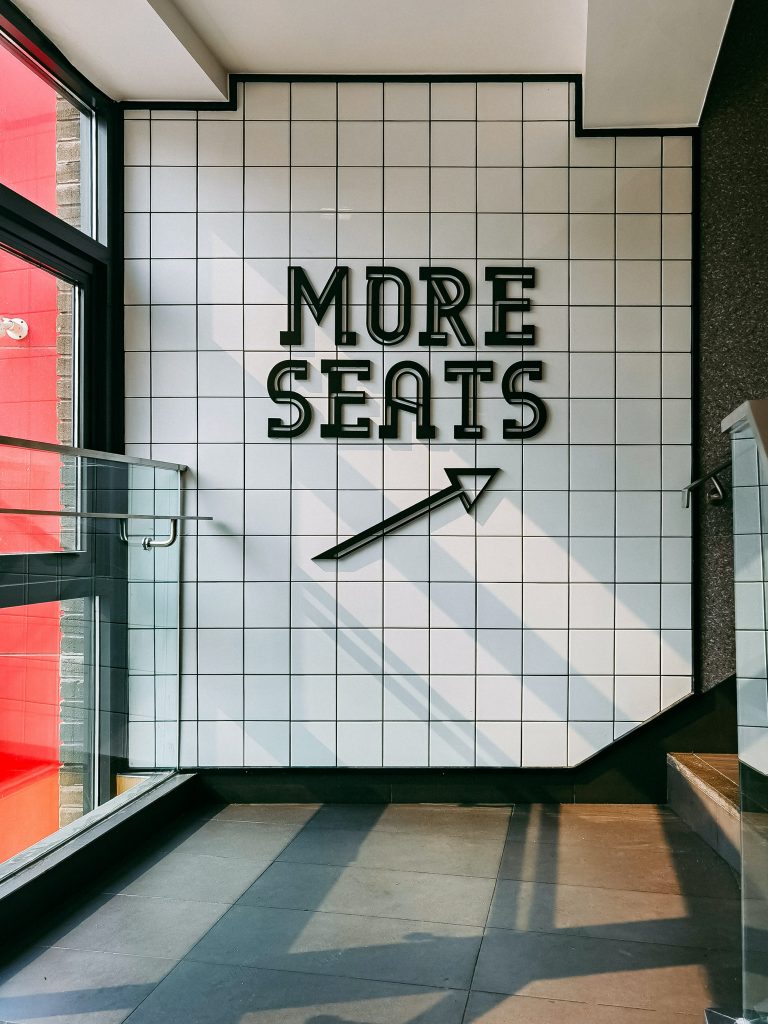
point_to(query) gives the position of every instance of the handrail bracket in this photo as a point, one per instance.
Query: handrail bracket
(715, 494)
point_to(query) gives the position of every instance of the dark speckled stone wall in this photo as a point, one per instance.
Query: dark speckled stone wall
(733, 332)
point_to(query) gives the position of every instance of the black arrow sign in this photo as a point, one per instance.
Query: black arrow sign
(466, 484)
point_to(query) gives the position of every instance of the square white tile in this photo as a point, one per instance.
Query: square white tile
(545, 744)
(406, 744)
(545, 143)
(498, 744)
(359, 744)
(267, 744)
(267, 101)
(313, 744)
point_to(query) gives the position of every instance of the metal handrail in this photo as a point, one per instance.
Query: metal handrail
(122, 517)
(715, 496)
(69, 514)
(87, 453)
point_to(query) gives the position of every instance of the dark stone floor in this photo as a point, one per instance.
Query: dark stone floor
(405, 914)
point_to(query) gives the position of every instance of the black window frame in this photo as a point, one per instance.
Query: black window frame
(94, 266)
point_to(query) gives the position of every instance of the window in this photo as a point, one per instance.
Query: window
(60, 384)
(38, 329)
(45, 142)
(60, 236)
(46, 720)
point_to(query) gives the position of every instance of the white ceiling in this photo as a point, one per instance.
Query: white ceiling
(651, 57)
(393, 36)
(646, 63)
(133, 52)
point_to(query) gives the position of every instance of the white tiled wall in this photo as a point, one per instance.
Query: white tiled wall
(558, 617)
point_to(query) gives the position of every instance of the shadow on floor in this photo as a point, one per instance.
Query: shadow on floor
(409, 914)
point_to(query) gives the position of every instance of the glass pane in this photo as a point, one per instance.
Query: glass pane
(153, 623)
(750, 477)
(46, 720)
(45, 143)
(37, 351)
(89, 672)
(42, 481)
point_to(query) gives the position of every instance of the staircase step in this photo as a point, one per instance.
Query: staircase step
(703, 789)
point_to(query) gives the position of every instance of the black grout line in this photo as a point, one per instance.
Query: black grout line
(245, 416)
(660, 422)
(429, 541)
(384, 169)
(336, 446)
(615, 431)
(197, 451)
(151, 433)
(475, 453)
(290, 453)
(569, 499)
(522, 452)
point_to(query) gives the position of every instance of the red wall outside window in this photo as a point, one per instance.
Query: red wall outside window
(30, 637)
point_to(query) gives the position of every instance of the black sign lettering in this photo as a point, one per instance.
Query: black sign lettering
(441, 306)
(394, 403)
(299, 370)
(503, 305)
(335, 291)
(338, 397)
(377, 278)
(469, 374)
(513, 429)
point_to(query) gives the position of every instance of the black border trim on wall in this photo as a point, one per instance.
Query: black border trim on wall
(235, 78)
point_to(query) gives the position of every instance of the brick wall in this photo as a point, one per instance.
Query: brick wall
(73, 695)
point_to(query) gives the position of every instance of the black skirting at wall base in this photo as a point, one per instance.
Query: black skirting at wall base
(632, 770)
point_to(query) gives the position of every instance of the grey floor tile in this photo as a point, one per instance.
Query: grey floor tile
(197, 993)
(137, 925)
(377, 849)
(600, 823)
(487, 1008)
(380, 949)
(636, 812)
(666, 918)
(239, 840)
(620, 866)
(72, 986)
(419, 819)
(671, 979)
(189, 876)
(454, 899)
(268, 814)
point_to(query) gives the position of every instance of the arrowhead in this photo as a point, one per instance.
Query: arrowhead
(472, 481)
